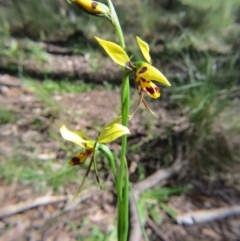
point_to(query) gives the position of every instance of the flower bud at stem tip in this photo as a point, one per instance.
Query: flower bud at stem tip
(91, 7)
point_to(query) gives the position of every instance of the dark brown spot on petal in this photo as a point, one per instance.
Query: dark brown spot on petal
(143, 70)
(88, 151)
(142, 79)
(150, 90)
(94, 5)
(148, 81)
(75, 161)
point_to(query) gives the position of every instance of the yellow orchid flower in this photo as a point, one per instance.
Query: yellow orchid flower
(109, 133)
(91, 7)
(80, 139)
(145, 73)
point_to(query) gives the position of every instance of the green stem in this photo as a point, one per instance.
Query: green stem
(105, 150)
(116, 24)
(123, 178)
(126, 204)
(125, 112)
(123, 174)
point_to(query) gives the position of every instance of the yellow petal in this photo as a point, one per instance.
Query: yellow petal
(116, 52)
(76, 137)
(117, 120)
(112, 133)
(149, 88)
(149, 72)
(144, 49)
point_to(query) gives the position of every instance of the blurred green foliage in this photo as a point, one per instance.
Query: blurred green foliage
(48, 87)
(6, 116)
(151, 200)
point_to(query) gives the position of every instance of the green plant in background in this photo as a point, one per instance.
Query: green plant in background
(144, 73)
(6, 116)
(158, 196)
(206, 92)
(47, 87)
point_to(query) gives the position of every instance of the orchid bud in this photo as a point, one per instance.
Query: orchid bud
(91, 7)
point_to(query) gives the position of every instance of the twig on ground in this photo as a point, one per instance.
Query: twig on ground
(85, 194)
(135, 232)
(16, 85)
(70, 204)
(156, 229)
(140, 187)
(13, 209)
(202, 216)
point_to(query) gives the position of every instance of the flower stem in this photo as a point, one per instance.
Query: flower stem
(105, 150)
(116, 24)
(123, 174)
(123, 178)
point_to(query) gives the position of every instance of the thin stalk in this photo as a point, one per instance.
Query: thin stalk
(105, 150)
(124, 94)
(125, 112)
(123, 225)
(116, 24)
(123, 178)
(126, 204)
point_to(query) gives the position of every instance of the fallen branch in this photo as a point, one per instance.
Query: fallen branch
(16, 85)
(156, 178)
(40, 201)
(13, 209)
(202, 216)
(156, 229)
(136, 227)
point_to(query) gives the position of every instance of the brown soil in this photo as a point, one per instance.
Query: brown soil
(54, 221)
